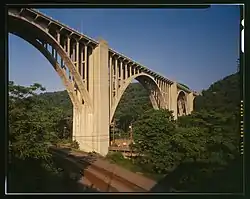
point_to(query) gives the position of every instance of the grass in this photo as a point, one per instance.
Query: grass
(117, 158)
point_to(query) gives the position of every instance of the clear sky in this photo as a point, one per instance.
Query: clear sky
(193, 46)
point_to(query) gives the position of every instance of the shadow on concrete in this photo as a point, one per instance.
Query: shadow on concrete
(56, 175)
(74, 167)
(206, 178)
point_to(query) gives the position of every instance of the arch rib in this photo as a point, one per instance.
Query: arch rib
(55, 65)
(52, 41)
(124, 87)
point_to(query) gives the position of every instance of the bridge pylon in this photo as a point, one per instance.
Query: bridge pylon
(91, 127)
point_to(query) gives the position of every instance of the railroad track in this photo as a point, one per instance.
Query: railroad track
(103, 178)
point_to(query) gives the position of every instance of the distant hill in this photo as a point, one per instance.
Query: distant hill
(221, 96)
(135, 98)
(59, 99)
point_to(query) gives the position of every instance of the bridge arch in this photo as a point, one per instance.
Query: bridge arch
(181, 103)
(18, 25)
(56, 66)
(146, 81)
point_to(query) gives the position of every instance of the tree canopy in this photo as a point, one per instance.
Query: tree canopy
(193, 150)
(206, 141)
(34, 125)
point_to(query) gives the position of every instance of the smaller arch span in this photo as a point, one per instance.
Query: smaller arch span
(139, 77)
(181, 103)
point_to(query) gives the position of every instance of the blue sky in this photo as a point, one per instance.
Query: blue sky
(193, 46)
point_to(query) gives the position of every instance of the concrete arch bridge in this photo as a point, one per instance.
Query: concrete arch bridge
(94, 75)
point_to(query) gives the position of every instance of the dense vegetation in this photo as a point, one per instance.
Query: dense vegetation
(133, 103)
(200, 150)
(34, 125)
(196, 153)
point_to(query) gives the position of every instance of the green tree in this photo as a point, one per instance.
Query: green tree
(33, 127)
(27, 124)
(222, 96)
(32, 122)
(164, 144)
(152, 132)
(134, 102)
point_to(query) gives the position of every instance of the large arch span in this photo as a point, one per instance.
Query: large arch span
(54, 63)
(37, 36)
(149, 84)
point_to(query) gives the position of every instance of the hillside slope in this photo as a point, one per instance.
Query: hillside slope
(222, 96)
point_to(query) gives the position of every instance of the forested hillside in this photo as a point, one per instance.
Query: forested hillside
(196, 153)
(199, 151)
(134, 102)
(58, 99)
(222, 96)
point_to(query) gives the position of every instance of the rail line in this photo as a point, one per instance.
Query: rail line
(103, 176)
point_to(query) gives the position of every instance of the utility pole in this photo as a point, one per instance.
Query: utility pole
(64, 129)
(131, 139)
(131, 132)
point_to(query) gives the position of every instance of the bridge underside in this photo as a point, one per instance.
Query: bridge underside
(94, 75)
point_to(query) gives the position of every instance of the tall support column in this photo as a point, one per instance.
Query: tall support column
(85, 65)
(58, 41)
(81, 61)
(110, 82)
(126, 71)
(73, 58)
(166, 94)
(62, 62)
(130, 70)
(68, 46)
(90, 75)
(68, 52)
(173, 99)
(121, 74)
(77, 56)
(58, 37)
(162, 93)
(76, 120)
(169, 97)
(83, 127)
(116, 78)
(100, 97)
